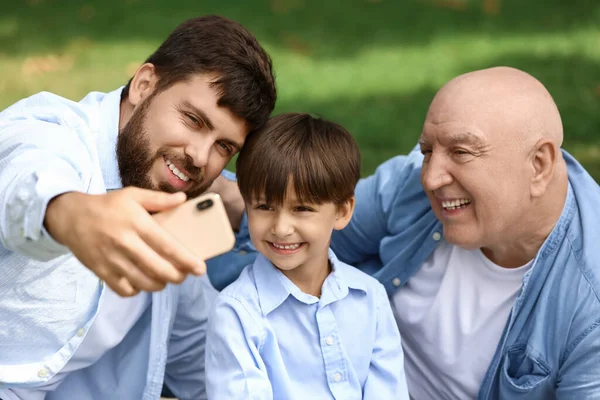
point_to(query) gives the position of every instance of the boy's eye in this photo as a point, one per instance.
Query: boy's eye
(264, 207)
(303, 209)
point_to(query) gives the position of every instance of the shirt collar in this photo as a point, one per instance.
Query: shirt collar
(106, 141)
(560, 228)
(274, 287)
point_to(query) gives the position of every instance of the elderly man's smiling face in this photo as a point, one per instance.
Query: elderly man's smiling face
(478, 165)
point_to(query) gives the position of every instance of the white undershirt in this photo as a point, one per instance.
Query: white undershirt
(451, 315)
(116, 316)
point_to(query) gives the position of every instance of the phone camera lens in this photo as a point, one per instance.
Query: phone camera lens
(203, 205)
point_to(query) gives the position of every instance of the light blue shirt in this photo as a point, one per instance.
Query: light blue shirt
(550, 347)
(267, 339)
(48, 300)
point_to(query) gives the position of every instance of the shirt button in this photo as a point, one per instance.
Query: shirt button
(329, 340)
(396, 282)
(23, 194)
(42, 373)
(80, 332)
(337, 377)
(436, 236)
(243, 252)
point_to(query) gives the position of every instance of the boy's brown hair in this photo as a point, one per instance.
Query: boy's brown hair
(321, 158)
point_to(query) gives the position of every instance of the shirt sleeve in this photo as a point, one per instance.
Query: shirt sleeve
(386, 378)
(362, 236)
(185, 372)
(379, 201)
(38, 161)
(234, 366)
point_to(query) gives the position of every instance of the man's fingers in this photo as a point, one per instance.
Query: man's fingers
(155, 266)
(153, 200)
(120, 285)
(121, 264)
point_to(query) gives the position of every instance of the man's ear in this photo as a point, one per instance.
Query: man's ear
(344, 213)
(543, 160)
(142, 84)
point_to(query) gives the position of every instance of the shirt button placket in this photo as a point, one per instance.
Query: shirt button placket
(332, 356)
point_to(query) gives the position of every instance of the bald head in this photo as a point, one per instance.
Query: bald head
(492, 164)
(499, 101)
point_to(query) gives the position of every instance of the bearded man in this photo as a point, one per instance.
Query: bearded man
(79, 250)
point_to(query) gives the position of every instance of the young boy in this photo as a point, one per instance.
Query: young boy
(299, 323)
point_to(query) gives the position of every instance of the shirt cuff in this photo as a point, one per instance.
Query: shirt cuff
(28, 204)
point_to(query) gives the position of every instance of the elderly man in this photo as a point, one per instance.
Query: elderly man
(487, 245)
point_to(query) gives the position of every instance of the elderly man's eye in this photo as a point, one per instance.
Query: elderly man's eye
(460, 152)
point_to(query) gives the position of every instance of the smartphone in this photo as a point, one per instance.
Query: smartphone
(200, 224)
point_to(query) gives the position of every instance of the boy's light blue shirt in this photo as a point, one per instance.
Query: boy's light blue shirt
(48, 300)
(550, 347)
(267, 339)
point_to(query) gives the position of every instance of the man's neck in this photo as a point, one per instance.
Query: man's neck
(125, 112)
(532, 230)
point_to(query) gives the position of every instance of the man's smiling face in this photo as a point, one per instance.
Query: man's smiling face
(179, 139)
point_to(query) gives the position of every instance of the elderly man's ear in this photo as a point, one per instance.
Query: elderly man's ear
(544, 158)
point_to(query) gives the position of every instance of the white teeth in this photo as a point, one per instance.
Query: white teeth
(177, 172)
(454, 204)
(287, 247)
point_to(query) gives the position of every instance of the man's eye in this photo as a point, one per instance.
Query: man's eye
(194, 120)
(426, 154)
(460, 152)
(226, 147)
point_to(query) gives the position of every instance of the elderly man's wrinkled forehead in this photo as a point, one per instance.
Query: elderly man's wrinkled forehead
(496, 103)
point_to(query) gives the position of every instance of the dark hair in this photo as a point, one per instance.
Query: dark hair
(218, 45)
(321, 158)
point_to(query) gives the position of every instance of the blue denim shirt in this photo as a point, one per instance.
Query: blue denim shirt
(48, 300)
(550, 346)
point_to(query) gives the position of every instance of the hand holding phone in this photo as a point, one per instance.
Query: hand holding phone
(200, 224)
(117, 239)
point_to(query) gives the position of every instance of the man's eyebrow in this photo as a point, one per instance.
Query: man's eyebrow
(467, 138)
(200, 113)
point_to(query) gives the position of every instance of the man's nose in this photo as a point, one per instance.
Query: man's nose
(199, 151)
(435, 174)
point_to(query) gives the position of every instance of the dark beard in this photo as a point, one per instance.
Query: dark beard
(135, 158)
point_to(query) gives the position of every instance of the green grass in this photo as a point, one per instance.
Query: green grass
(372, 65)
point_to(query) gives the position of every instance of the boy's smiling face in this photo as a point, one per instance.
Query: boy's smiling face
(294, 236)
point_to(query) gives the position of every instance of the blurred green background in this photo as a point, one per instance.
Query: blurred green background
(372, 65)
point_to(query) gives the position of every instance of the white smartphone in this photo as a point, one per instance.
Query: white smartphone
(200, 224)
